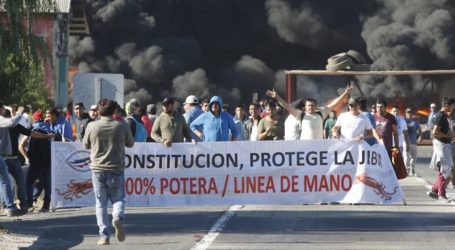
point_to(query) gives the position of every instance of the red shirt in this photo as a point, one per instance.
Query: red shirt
(384, 128)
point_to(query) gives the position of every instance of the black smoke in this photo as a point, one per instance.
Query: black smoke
(234, 48)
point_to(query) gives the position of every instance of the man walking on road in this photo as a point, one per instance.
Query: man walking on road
(442, 150)
(106, 138)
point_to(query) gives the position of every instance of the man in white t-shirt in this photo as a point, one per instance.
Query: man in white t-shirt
(292, 126)
(312, 118)
(402, 129)
(352, 125)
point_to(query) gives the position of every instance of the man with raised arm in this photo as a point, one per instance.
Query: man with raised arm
(312, 118)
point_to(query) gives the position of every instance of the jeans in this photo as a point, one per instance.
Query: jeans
(5, 187)
(411, 158)
(15, 169)
(35, 173)
(108, 186)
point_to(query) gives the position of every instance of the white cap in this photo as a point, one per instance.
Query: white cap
(191, 99)
(93, 107)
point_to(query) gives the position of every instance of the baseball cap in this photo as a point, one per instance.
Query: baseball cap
(191, 99)
(150, 107)
(79, 104)
(167, 100)
(352, 100)
(408, 110)
(38, 115)
(433, 105)
(93, 107)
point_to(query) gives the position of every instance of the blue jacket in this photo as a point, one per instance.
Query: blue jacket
(215, 127)
(61, 128)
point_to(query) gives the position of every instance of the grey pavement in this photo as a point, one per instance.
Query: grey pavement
(422, 224)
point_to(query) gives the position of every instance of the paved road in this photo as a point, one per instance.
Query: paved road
(422, 224)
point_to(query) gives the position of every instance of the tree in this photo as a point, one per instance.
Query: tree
(22, 54)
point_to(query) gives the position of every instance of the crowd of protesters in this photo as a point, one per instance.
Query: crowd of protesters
(25, 135)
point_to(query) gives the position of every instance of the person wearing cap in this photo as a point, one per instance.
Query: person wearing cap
(415, 134)
(311, 118)
(93, 112)
(352, 125)
(80, 122)
(442, 160)
(216, 124)
(170, 126)
(192, 111)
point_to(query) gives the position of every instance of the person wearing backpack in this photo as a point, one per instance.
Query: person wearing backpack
(137, 127)
(311, 118)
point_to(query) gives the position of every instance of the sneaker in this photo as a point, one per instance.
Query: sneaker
(103, 241)
(432, 195)
(119, 231)
(44, 210)
(13, 213)
(443, 198)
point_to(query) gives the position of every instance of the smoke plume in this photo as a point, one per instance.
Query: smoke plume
(234, 48)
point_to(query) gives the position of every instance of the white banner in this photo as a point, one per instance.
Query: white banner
(222, 173)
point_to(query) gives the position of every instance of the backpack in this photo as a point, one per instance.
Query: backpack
(141, 133)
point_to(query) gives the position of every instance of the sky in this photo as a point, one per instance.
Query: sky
(233, 48)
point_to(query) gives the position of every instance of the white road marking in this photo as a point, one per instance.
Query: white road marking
(210, 237)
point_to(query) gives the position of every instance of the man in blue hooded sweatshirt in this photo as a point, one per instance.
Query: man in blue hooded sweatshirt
(216, 124)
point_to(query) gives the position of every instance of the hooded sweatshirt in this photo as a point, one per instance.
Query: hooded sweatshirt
(215, 127)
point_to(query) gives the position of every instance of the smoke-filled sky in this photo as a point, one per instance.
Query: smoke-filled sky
(234, 48)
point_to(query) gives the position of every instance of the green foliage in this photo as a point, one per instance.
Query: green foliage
(22, 54)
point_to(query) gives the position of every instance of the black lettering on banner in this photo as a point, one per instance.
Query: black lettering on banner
(188, 164)
(150, 161)
(198, 164)
(217, 163)
(127, 161)
(312, 158)
(138, 160)
(160, 160)
(300, 158)
(265, 157)
(254, 157)
(278, 162)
